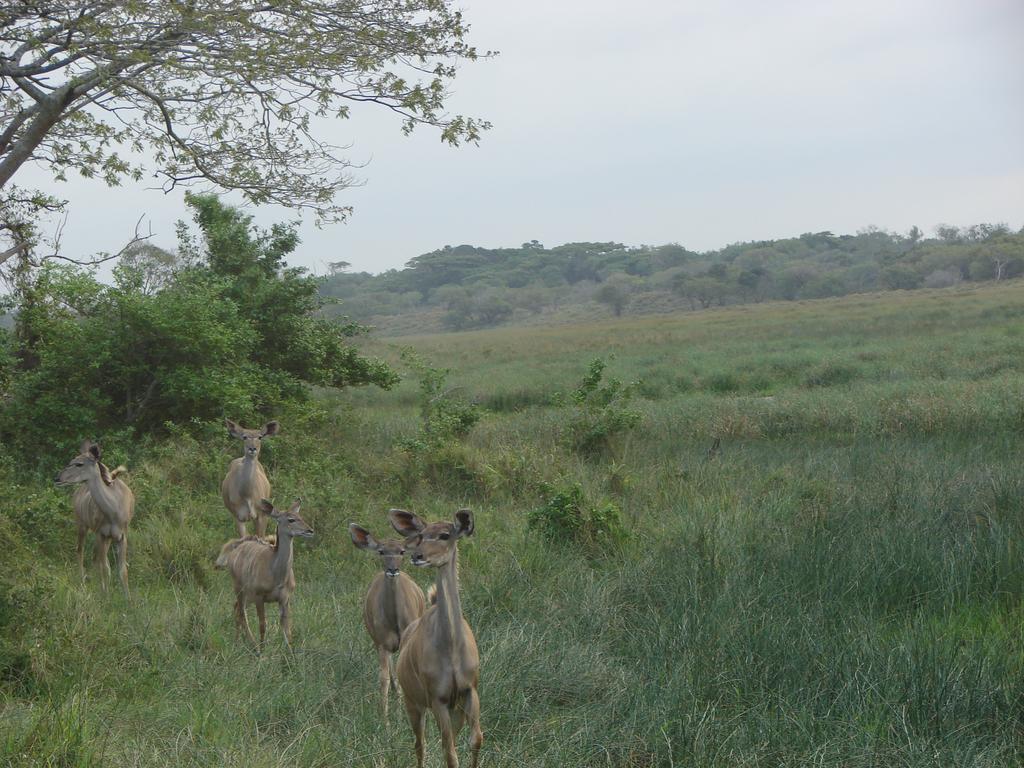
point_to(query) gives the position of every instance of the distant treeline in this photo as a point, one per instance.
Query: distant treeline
(480, 287)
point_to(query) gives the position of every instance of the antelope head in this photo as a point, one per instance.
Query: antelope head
(81, 468)
(252, 438)
(432, 544)
(391, 551)
(288, 521)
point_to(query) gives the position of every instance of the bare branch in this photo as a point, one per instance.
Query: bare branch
(104, 258)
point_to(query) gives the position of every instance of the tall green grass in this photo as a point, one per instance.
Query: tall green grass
(839, 585)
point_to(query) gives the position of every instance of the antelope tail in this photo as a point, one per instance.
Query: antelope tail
(107, 476)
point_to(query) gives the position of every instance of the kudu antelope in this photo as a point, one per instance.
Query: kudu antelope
(393, 602)
(246, 483)
(103, 504)
(262, 569)
(438, 664)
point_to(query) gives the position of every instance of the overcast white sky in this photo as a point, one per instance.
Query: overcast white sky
(656, 121)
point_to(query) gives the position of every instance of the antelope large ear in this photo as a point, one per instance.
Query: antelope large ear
(233, 429)
(362, 538)
(105, 475)
(406, 523)
(295, 507)
(94, 451)
(463, 523)
(266, 507)
(84, 447)
(271, 428)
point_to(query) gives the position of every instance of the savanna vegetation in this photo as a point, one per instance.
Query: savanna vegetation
(463, 287)
(783, 534)
(775, 532)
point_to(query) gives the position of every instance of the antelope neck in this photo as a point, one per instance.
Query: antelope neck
(104, 495)
(282, 561)
(390, 600)
(449, 606)
(248, 471)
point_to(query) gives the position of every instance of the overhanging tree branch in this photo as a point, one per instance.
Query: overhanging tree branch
(224, 92)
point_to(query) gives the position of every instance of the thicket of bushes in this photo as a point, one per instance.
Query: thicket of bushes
(223, 328)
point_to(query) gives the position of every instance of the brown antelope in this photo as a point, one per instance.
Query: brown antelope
(105, 505)
(246, 483)
(393, 602)
(438, 664)
(262, 570)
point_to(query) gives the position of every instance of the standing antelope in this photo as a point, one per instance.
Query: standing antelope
(393, 602)
(246, 483)
(262, 570)
(438, 664)
(104, 504)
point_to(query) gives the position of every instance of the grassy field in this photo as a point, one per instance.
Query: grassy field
(839, 584)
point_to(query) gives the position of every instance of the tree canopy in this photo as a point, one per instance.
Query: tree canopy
(476, 287)
(225, 91)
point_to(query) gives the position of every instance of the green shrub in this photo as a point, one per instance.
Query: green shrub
(600, 412)
(230, 329)
(44, 517)
(567, 516)
(444, 415)
(435, 454)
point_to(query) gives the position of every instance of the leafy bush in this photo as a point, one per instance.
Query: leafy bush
(44, 517)
(567, 516)
(435, 453)
(444, 415)
(282, 304)
(137, 360)
(230, 330)
(600, 412)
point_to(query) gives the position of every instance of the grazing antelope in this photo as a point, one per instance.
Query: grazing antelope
(393, 602)
(438, 664)
(105, 505)
(262, 569)
(246, 484)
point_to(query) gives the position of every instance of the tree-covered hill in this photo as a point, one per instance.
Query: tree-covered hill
(459, 287)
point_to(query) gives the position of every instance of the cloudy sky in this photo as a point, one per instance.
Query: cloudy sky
(701, 123)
